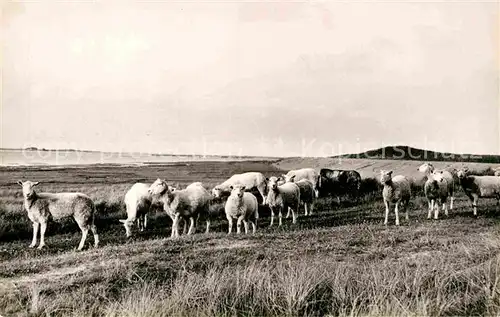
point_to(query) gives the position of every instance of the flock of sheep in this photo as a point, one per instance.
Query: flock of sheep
(286, 193)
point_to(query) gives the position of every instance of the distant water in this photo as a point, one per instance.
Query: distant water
(65, 157)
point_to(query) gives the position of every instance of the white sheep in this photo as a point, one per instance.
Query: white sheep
(304, 173)
(428, 169)
(42, 206)
(250, 180)
(188, 203)
(396, 191)
(280, 197)
(137, 202)
(307, 195)
(436, 191)
(243, 206)
(476, 187)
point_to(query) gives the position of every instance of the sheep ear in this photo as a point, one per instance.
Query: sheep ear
(123, 220)
(267, 179)
(243, 187)
(389, 173)
(231, 187)
(35, 184)
(20, 182)
(292, 178)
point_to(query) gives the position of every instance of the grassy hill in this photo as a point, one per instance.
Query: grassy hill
(402, 152)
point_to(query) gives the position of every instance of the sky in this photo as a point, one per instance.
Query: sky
(312, 78)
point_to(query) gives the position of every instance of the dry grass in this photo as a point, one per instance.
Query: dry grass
(340, 261)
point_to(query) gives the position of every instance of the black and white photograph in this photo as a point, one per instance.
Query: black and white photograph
(249, 158)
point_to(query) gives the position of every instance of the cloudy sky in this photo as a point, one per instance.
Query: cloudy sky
(314, 78)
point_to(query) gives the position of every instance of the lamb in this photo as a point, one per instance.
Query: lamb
(396, 191)
(138, 202)
(188, 203)
(428, 169)
(304, 173)
(250, 180)
(243, 206)
(479, 186)
(280, 197)
(42, 206)
(436, 191)
(307, 195)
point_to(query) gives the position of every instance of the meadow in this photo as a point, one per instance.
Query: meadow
(341, 261)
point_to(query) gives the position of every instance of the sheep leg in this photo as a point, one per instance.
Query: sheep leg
(175, 229)
(141, 221)
(230, 224)
(245, 223)
(35, 234)
(43, 227)
(208, 226)
(254, 226)
(306, 209)
(85, 232)
(445, 209)
(185, 228)
(279, 217)
(436, 210)
(407, 211)
(474, 204)
(238, 224)
(396, 211)
(431, 207)
(272, 217)
(451, 203)
(145, 221)
(93, 228)
(386, 203)
(191, 226)
(295, 213)
(288, 213)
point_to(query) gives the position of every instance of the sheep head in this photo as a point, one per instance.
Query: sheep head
(289, 178)
(426, 168)
(385, 176)
(159, 187)
(273, 182)
(462, 173)
(27, 186)
(217, 192)
(237, 191)
(128, 226)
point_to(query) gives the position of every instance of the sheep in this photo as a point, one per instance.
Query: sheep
(428, 169)
(280, 197)
(242, 206)
(250, 180)
(188, 203)
(396, 191)
(42, 206)
(304, 173)
(436, 191)
(479, 186)
(138, 202)
(307, 195)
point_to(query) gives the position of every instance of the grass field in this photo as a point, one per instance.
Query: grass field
(340, 261)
